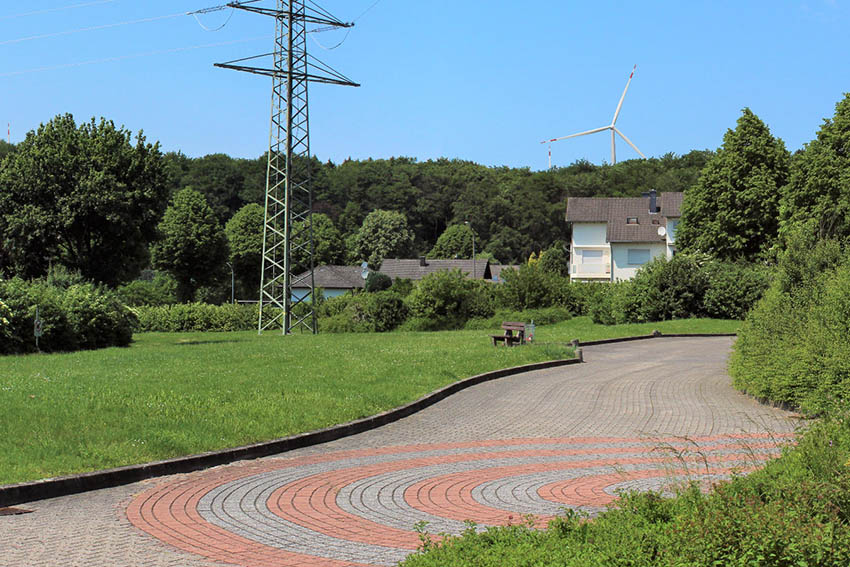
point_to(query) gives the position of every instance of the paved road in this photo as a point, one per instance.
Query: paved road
(637, 415)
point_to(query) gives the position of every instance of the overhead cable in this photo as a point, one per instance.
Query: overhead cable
(131, 56)
(61, 8)
(92, 28)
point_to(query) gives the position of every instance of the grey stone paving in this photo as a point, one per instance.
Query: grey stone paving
(650, 389)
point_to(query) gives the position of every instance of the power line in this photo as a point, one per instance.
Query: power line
(131, 56)
(49, 10)
(92, 28)
(375, 3)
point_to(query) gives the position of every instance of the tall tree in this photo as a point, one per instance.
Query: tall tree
(245, 236)
(85, 198)
(818, 194)
(732, 211)
(455, 242)
(384, 234)
(5, 149)
(193, 247)
(328, 246)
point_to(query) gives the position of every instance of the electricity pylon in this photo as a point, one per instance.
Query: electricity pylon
(288, 226)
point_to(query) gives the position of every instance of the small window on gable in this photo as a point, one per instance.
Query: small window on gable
(631, 220)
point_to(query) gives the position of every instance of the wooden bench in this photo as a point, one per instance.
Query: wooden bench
(514, 334)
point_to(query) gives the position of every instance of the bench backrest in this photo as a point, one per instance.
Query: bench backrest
(512, 326)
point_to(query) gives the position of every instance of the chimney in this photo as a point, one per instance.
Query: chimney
(422, 261)
(652, 201)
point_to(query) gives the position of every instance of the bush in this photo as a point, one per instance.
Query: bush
(449, 299)
(526, 288)
(97, 317)
(363, 313)
(81, 316)
(376, 281)
(734, 288)
(161, 290)
(668, 289)
(612, 304)
(402, 286)
(792, 348)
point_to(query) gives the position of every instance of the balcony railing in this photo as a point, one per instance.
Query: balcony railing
(591, 270)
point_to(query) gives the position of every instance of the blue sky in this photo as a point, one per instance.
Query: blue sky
(471, 79)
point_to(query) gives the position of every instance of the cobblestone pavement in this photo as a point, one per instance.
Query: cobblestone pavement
(644, 414)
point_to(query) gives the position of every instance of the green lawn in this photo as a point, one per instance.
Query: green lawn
(176, 394)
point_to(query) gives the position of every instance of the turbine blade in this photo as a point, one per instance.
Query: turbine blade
(594, 131)
(620, 105)
(629, 142)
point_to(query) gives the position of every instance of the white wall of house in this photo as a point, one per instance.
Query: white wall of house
(628, 257)
(671, 236)
(589, 233)
(590, 254)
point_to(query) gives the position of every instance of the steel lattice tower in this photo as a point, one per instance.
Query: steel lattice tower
(288, 227)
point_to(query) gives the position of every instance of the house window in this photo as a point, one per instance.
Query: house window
(638, 256)
(591, 256)
(631, 220)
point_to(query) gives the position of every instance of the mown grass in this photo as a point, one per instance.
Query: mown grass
(176, 394)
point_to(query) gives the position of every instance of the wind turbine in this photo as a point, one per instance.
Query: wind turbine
(611, 127)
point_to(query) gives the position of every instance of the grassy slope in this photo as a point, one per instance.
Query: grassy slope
(176, 394)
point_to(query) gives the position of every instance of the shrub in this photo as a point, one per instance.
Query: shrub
(555, 260)
(161, 290)
(526, 288)
(97, 317)
(376, 281)
(668, 289)
(81, 316)
(612, 304)
(402, 286)
(364, 312)
(734, 288)
(448, 297)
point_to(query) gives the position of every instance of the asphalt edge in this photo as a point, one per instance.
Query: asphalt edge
(43, 489)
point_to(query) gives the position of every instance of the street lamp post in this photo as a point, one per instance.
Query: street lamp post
(473, 247)
(232, 283)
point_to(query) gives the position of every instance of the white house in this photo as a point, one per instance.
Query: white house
(613, 237)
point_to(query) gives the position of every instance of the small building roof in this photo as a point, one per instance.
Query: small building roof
(332, 277)
(497, 269)
(412, 269)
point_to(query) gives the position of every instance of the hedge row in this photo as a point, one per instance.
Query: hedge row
(794, 347)
(79, 316)
(185, 317)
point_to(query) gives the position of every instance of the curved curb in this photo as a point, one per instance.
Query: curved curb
(62, 486)
(654, 335)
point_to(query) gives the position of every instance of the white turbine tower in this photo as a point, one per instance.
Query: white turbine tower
(611, 127)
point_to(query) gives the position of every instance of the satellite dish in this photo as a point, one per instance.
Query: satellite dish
(364, 270)
(662, 231)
